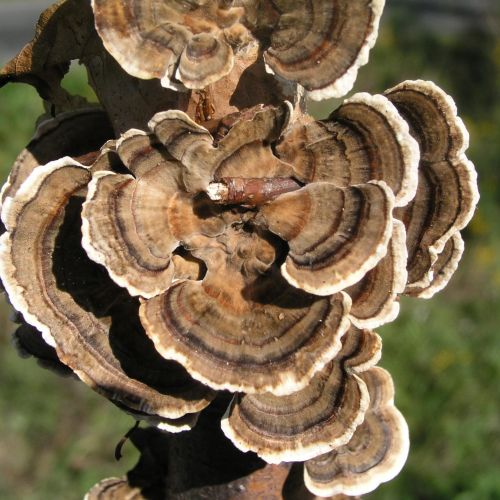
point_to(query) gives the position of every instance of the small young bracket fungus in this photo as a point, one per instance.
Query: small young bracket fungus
(375, 453)
(447, 188)
(443, 268)
(314, 420)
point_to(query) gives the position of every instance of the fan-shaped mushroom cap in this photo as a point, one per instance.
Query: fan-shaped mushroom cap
(187, 41)
(205, 60)
(375, 296)
(314, 420)
(447, 187)
(361, 349)
(376, 452)
(335, 235)
(243, 328)
(114, 488)
(125, 217)
(243, 152)
(322, 44)
(51, 281)
(365, 139)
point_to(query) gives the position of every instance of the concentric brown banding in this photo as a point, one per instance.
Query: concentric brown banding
(156, 39)
(74, 134)
(376, 452)
(443, 268)
(140, 152)
(365, 139)
(237, 344)
(319, 417)
(447, 192)
(321, 44)
(125, 224)
(335, 235)
(361, 349)
(290, 416)
(107, 352)
(204, 60)
(115, 236)
(355, 206)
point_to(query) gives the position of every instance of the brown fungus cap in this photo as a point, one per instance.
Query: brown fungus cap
(322, 44)
(244, 151)
(62, 293)
(182, 43)
(376, 452)
(314, 420)
(125, 216)
(375, 297)
(364, 139)
(319, 45)
(243, 328)
(335, 234)
(447, 187)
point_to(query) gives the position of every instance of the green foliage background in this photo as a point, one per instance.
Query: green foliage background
(57, 437)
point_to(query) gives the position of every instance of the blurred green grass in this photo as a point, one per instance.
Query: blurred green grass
(58, 437)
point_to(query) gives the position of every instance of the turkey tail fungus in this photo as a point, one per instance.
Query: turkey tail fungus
(203, 253)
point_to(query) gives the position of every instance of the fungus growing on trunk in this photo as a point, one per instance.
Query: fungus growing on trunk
(200, 233)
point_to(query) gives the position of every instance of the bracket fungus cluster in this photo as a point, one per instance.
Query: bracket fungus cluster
(188, 247)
